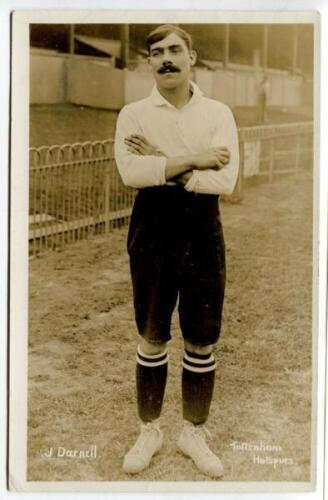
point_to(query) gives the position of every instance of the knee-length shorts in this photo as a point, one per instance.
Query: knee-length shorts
(177, 254)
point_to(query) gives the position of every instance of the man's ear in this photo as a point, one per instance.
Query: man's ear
(193, 57)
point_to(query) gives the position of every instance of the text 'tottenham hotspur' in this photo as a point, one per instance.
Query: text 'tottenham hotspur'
(262, 447)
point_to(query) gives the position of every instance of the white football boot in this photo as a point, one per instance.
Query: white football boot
(149, 442)
(192, 443)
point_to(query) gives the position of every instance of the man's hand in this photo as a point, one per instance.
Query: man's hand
(183, 178)
(215, 158)
(138, 145)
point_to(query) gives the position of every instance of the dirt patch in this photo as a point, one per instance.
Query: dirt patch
(82, 342)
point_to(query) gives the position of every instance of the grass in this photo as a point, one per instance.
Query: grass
(66, 123)
(82, 345)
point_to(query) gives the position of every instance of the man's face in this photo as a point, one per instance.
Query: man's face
(170, 61)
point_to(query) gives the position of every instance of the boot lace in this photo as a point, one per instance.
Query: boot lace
(200, 433)
(146, 430)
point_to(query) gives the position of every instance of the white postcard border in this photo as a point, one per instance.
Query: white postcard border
(19, 249)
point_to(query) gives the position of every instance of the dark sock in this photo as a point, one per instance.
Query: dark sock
(198, 376)
(151, 375)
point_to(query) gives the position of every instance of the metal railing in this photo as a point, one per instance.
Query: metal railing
(76, 191)
(284, 149)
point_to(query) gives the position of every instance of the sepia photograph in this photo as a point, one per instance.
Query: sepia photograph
(168, 179)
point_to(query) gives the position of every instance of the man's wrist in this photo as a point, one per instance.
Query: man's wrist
(192, 181)
(193, 162)
(177, 165)
(188, 162)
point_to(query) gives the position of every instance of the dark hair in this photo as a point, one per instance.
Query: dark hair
(165, 30)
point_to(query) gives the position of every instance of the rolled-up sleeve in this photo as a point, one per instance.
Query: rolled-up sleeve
(224, 180)
(136, 171)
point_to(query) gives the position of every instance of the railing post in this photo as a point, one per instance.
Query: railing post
(271, 159)
(241, 169)
(106, 204)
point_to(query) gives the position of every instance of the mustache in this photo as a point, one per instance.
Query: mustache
(168, 67)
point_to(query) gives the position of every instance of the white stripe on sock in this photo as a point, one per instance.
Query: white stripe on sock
(152, 364)
(200, 369)
(198, 360)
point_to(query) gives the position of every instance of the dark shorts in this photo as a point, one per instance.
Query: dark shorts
(176, 249)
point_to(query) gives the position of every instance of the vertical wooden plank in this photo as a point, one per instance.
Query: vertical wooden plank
(71, 36)
(226, 45)
(125, 44)
(295, 49)
(265, 44)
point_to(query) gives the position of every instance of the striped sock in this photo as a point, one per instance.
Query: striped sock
(151, 375)
(198, 376)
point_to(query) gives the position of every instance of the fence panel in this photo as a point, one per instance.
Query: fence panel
(76, 190)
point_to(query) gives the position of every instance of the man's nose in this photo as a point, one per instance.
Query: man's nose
(167, 57)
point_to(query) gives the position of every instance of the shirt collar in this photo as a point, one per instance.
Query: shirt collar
(158, 100)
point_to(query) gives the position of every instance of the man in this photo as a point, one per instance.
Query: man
(180, 150)
(264, 91)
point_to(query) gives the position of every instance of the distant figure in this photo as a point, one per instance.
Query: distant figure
(264, 89)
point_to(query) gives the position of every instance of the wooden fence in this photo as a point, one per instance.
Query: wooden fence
(76, 191)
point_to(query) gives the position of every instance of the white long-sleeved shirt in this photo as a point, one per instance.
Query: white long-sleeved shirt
(201, 124)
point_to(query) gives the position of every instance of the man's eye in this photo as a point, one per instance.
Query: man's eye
(175, 49)
(155, 53)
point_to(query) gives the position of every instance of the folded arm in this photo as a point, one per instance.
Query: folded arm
(136, 171)
(220, 181)
(142, 165)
